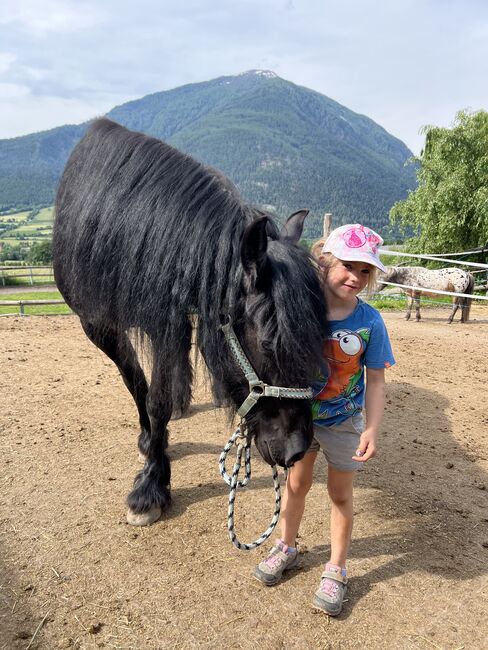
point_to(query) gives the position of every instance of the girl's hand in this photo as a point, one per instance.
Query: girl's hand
(367, 446)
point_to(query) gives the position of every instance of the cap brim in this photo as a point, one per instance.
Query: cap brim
(362, 257)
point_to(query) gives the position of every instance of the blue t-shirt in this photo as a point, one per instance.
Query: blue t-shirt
(357, 341)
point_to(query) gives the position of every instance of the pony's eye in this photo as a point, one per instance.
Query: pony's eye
(267, 347)
(350, 344)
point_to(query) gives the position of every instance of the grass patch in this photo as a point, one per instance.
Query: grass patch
(46, 215)
(28, 228)
(388, 303)
(31, 310)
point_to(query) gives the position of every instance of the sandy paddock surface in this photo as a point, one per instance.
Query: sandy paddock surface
(73, 574)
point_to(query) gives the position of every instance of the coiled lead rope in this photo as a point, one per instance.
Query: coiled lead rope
(239, 437)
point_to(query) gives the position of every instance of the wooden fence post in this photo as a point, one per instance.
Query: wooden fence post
(327, 224)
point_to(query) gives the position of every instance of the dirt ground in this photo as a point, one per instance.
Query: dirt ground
(73, 574)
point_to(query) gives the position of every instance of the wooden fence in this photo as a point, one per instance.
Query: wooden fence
(30, 272)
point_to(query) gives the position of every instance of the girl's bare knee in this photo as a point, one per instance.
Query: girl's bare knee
(340, 497)
(299, 486)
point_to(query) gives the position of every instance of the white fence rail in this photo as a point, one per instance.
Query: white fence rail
(382, 251)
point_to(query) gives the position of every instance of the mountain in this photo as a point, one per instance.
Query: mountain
(283, 145)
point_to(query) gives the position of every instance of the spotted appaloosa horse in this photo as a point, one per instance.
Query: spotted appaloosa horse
(451, 279)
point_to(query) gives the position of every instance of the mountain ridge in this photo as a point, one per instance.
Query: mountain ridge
(284, 146)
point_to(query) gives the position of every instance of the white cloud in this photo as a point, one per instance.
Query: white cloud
(22, 113)
(13, 91)
(50, 16)
(6, 61)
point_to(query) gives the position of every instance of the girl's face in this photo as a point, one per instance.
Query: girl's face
(345, 280)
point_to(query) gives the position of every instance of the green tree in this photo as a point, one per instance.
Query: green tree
(448, 212)
(41, 253)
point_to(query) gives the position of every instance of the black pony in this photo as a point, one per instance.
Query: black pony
(145, 237)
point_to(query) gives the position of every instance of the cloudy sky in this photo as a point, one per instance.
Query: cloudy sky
(403, 63)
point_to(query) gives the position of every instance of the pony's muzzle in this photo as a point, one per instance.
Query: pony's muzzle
(284, 452)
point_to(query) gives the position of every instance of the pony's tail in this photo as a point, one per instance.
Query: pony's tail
(466, 302)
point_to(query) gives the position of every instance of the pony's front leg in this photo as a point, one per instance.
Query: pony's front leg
(151, 493)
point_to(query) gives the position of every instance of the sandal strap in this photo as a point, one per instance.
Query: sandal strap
(336, 577)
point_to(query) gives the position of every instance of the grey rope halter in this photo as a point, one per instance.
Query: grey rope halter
(257, 389)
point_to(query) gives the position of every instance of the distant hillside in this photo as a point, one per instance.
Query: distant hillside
(283, 145)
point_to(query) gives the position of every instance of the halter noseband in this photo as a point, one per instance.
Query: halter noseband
(257, 388)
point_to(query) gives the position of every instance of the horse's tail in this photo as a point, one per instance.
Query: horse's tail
(466, 302)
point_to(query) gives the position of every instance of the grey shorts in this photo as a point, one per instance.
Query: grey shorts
(339, 442)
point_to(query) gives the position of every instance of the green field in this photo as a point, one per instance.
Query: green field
(45, 216)
(17, 217)
(29, 227)
(32, 310)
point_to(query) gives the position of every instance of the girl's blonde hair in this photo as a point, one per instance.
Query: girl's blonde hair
(326, 261)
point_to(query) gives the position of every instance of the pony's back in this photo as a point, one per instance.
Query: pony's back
(139, 228)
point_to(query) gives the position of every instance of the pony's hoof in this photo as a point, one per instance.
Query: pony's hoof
(144, 518)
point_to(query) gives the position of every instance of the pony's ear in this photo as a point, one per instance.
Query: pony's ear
(253, 249)
(292, 230)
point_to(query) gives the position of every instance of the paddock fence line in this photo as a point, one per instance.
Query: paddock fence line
(22, 303)
(426, 289)
(463, 254)
(4, 275)
(432, 257)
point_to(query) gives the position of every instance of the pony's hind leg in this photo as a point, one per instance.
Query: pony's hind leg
(119, 349)
(416, 299)
(409, 306)
(455, 306)
(151, 492)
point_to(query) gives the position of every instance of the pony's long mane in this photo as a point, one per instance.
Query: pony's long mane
(157, 235)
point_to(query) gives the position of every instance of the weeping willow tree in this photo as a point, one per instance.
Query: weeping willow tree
(448, 212)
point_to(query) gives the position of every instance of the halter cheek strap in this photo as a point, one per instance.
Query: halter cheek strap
(257, 388)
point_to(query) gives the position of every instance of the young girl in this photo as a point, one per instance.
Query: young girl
(347, 261)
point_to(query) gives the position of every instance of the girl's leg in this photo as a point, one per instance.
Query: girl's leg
(339, 485)
(282, 558)
(299, 482)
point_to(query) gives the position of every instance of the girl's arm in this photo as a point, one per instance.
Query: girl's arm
(374, 406)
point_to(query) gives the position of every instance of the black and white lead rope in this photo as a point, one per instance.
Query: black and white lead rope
(257, 389)
(244, 445)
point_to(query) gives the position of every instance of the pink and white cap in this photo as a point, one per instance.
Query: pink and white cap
(355, 243)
